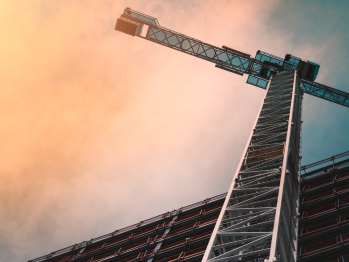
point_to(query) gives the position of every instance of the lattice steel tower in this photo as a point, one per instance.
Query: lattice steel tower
(259, 218)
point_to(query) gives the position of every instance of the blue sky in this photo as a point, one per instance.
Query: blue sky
(101, 130)
(326, 125)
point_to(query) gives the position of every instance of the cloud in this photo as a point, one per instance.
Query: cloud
(100, 130)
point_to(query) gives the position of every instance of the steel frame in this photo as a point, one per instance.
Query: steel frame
(255, 223)
(159, 244)
(148, 237)
(259, 217)
(230, 59)
(234, 61)
(237, 63)
(320, 186)
(325, 92)
(324, 211)
(332, 158)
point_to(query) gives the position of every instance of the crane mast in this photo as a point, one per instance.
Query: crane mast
(259, 218)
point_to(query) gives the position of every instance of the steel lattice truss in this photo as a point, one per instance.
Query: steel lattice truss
(259, 217)
(235, 62)
(131, 22)
(325, 92)
(255, 224)
(239, 63)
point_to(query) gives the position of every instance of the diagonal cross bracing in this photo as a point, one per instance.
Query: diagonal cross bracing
(259, 68)
(224, 58)
(258, 221)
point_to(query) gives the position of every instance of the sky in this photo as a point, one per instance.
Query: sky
(100, 130)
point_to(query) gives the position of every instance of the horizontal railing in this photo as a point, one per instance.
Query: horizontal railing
(336, 177)
(324, 244)
(319, 245)
(324, 194)
(184, 255)
(330, 223)
(126, 244)
(332, 158)
(340, 258)
(326, 208)
(323, 171)
(83, 244)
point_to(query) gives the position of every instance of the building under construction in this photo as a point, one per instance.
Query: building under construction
(259, 216)
(323, 233)
(183, 234)
(271, 212)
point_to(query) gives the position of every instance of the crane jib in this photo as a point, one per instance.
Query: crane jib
(259, 69)
(223, 57)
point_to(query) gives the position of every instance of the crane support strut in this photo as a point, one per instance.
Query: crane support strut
(259, 68)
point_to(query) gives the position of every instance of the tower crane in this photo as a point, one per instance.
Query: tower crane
(259, 218)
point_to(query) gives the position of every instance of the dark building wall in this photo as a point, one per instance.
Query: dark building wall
(183, 234)
(324, 214)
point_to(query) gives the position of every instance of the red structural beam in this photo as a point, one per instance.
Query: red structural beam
(334, 178)
(60, 253)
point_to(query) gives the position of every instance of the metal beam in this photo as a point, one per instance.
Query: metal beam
(325, 92)
(263, 199)
(259, 71)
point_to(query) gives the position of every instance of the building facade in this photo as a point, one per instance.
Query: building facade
(183, 234)
(324, 213)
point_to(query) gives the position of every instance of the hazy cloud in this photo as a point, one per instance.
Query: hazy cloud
(100, 130)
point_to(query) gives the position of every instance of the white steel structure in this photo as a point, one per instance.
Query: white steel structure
(258, 221)
(259, 218)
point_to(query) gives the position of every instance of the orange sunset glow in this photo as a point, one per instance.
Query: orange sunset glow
(100, 130)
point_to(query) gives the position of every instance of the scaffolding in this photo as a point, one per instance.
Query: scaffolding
(324, 211)
(183, 234)
(180, 235)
